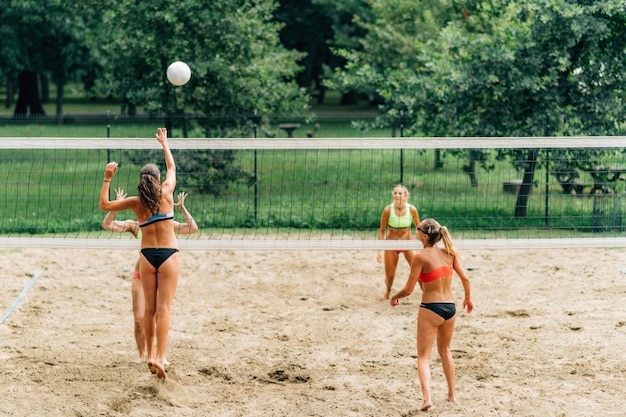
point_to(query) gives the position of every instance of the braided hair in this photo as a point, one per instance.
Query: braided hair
(436, 233)
(149, 188)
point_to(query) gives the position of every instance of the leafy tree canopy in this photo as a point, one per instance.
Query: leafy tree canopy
(497, 68)
(232, 46)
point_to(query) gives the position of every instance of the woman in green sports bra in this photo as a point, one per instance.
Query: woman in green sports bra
(395, 224)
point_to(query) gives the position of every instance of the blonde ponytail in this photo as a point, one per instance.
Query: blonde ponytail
(437, 232)
(447, 241)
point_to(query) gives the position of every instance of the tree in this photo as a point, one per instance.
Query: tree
(306, 28)
(42, 38)
(232, 47)
(238, 67)
(315, 27)
(502, 68)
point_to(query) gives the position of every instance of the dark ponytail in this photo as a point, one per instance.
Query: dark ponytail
(149, 188)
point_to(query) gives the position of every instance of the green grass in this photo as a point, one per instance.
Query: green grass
(332, 120)
(336, 192)
(56, 191)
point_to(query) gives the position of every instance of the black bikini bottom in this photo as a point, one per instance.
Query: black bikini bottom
(444, 310)
(156, 256)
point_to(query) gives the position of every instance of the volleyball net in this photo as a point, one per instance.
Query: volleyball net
(324, 193)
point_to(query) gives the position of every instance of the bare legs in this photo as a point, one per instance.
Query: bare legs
(391, 263)
(430, 325)
(159, 289)
(139, 307)
(444, 337)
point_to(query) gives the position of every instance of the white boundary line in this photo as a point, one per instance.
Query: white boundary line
(22, 294)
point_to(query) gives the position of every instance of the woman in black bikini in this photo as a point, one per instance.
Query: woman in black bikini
(433, 267)
(132, 226)
(159, 261)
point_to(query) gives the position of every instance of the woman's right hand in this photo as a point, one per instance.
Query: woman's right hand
(109, 170)
(379, 257)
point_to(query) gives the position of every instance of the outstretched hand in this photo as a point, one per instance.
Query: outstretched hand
(161, 135)
(120, 194)
(181, 199)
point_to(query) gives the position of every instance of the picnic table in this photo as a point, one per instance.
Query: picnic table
(602, 176)
(289, 128)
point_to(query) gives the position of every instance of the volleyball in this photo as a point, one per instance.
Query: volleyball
(178, 73)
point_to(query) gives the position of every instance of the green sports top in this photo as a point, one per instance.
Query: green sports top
(401, 222)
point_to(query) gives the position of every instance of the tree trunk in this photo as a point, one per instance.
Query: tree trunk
(45, 89)
(438, 162)
(527, 183)
(29, 95)
(348, 99)
(10, 92)
(471, 171)
(321, 92)
(59, 101)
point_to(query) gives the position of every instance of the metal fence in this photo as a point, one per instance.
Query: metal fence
(344, 124)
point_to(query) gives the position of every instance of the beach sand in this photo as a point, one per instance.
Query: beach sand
(306, 334)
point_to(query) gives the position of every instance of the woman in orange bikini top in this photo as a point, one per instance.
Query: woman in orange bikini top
(433, 268)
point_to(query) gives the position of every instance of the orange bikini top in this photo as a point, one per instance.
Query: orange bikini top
(444, 271)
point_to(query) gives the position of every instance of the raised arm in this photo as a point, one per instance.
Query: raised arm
(190, 226)
(170, 177)
(109, 171)
(119, 226)
(117, 205)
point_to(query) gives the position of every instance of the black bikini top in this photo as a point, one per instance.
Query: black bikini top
(159, 217)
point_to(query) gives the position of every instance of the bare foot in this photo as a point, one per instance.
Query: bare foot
(141, 359)
(157, 368)
(152, 366)
(426, 405)
(452, 399)
(160, 370)
(386, 295)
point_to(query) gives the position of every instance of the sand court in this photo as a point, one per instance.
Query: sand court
(304, 333)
